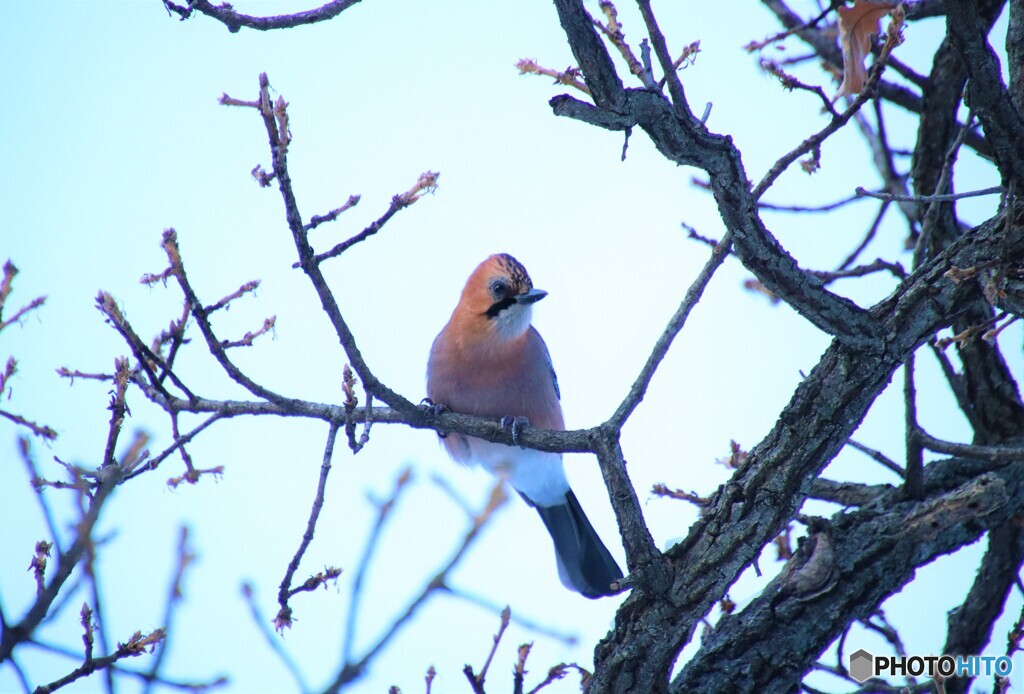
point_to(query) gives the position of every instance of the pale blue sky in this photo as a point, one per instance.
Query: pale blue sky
(112, 132)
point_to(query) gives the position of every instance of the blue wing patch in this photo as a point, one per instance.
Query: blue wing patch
(554, 379)
(547, 358)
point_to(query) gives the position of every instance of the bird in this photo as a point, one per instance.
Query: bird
(489, 361)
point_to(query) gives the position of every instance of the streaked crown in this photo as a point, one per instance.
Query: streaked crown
(494, 284)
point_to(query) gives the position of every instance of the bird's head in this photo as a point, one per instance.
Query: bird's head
(499, 296)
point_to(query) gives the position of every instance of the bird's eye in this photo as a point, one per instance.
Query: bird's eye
(499, 289)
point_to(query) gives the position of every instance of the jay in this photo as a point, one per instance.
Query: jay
(489, 361)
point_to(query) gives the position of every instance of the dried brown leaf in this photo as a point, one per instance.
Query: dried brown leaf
(857, 25)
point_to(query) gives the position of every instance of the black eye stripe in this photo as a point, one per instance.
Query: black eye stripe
(499, 306)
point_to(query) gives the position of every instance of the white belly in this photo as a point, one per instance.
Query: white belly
(536, 474)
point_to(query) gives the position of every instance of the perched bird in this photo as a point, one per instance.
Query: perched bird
(489, 361)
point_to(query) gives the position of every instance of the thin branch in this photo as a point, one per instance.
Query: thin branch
(372, 543)
(108, 477)
(174, 597)
(686, 58)
(995, 454)
(775, 38)
(192, 687)
(808, 208)
(813, 143)
(135, 646)
(426, 183)
(40, 430)
(352, 671)
(570, 77)
(5, 289)
(847, 493)
(878, 457)
(790, 83)
(879, 265)
(179, 443)
(145, 357)
(276, 644)
(868, 237)
(860, 192)
(675, 85)
(675, 324)
(316, 220)
(525, 622)
(24, 447)
(216, 347)
(247, 288)
(100, 622)
(506, 615)
(234, 21)
(20, 674)
(284, 616)
(913, 479)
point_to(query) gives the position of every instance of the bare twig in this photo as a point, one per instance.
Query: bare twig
(247, 288)
(317, 219)
(613, 31)
(195, 687)
(372, 543)
(40, 430)
(234, 21)
(872, 230)
(5, 289)
(426, 183)
(813, 143)
(505, 616)
(878, 265)
(348, 382)
(879, 195)
(789, 82)
(275, 643)
(995, 454)
(686, 58)
(828, 207)
(913, 479)
(775, 38)
(351, 671)
(284, 615)
(569, 77)
(525, 622)
(24, 448)
(179, 443)
(668, 66)
(174, 597)
(247, 339)
(675, 324)
(135, 646)
(878, 456)
(662, 490)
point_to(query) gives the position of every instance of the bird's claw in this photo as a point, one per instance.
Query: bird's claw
(514, 426)
(431, 407)
(434, 408)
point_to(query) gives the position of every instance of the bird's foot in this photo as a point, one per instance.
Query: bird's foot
(514, 426)
(431, 407)
(434, 408)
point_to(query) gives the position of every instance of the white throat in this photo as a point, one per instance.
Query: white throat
(513, 321)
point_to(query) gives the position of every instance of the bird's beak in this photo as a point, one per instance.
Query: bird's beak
(531, 297)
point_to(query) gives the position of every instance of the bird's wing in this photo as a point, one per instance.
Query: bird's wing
(547, 356)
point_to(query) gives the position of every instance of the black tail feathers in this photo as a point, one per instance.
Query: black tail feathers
(584, 563)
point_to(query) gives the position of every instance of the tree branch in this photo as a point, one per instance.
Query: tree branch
(234, 21)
